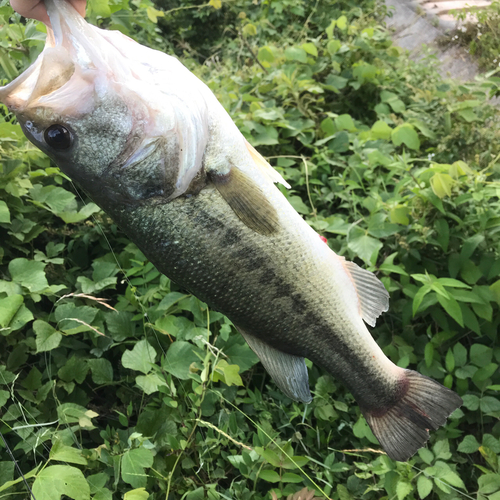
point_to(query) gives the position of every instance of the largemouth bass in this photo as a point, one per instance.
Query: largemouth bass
(154, 148)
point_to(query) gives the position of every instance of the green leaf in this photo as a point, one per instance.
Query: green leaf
(296, 54)
(102, 371)
(489, 404)
(406, 134)
(8, 309)
(365, 247)
(310, 48)
(342, 23)
(249, 29)
(63, 453)
(57, 480)
(424, 486)
(269, 475)
(403, 489)
(133, 464)
(345, 122)
(468, 445)
(140, 358)
(265, 56)
(4, 213)
(380, 130)
(470, 245)
(138, 493)
(441, 185)
(179, 357)
(150, 383)
(480, 354)
(29, 274)
(419, 296)
(451, 306)
(47, 337)
(290, 477)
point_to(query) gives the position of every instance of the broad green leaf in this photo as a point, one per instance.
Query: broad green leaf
(102, 371)
(403, 489)
(4, 213)
(380, 130)
(310, 48)
(249, 29)
(419, 296)
(489, 404)
(290, 477)
(399, 215)
(138, 493)
(345, 122)
(441, 184)
(227, 373)
(133, 464)
(480, 354)
(468, 445)
(495, 288)
(150, 383)
(424, 486)
(266, 56)
(63, 453)
(365, 247)
(29, 274)
(140, 358)
(442, 233)
(405, 134)
(47, 337)
(179, 357)
(470, 245)
(57, 480)
(342, 23)
(153, 14)
(451, 306)
(269, 475)
(8, 309)
(296, 54)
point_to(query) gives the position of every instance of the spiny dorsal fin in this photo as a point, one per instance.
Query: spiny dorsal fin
(288, 372)
(373, 297)
(247, 200)
(264, 166)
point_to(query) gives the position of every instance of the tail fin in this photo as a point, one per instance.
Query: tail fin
(404, 428)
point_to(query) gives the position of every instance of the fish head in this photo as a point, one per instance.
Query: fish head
(101, 106)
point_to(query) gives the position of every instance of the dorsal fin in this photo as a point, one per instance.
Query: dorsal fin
(264, 166)
(289, 372)
(373, 297)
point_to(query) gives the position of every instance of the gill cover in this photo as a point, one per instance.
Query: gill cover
(81, 65)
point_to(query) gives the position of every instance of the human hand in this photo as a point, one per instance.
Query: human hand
(35, 9)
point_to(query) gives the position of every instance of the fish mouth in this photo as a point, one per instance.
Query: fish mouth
(64, 75)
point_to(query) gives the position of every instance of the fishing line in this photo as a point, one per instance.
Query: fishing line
(9, 451)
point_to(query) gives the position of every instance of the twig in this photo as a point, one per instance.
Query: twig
(247, 45)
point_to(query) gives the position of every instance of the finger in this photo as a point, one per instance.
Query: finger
(34, 9)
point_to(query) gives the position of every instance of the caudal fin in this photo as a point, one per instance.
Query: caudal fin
(404, 428)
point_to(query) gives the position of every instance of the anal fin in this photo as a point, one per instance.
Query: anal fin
(247, 201)
(289, 372)
(373, 297)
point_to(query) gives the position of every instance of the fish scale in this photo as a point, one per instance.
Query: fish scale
(184, 251)
(154, 148)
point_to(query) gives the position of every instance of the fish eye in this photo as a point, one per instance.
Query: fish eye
(58, 137)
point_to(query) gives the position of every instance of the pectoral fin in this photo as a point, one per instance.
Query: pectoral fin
(247, 200)
(288, 372)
